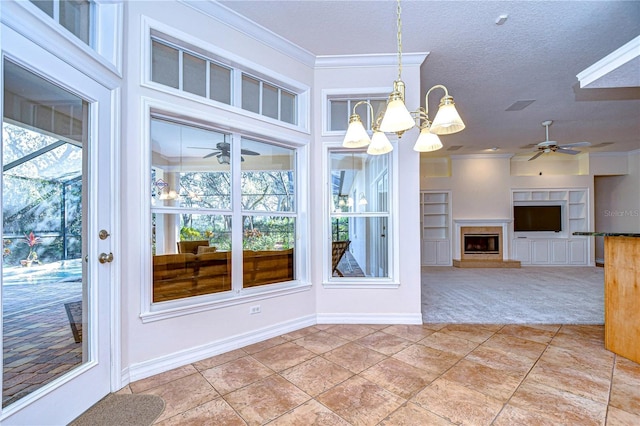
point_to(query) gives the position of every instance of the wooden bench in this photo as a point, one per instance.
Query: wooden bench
(338, 249)
(185, 275)
(267, 267)
(180, 275)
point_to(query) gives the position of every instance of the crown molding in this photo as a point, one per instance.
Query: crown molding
(370, 60)
(614, 153)
(251, 29)
(479, 156)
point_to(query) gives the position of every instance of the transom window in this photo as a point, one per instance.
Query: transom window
(359, 214)
(181, 69)
(74, 15)
(268, 100)
(205, 181)
(340, 109)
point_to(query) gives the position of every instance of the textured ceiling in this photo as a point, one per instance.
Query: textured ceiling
(534, 55)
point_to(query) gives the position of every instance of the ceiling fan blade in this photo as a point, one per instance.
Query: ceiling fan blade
(211, 154)
(247, 152)
(538, 154)
(567, 151)
(567, 145)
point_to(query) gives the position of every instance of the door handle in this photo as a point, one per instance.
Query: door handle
(105, 258)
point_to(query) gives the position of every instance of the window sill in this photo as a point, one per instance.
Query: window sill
(362, 284)
(188, 306)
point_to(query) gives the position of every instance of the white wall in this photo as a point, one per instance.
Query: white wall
(147, 347)
(617, 201)
(481, 186)
(370, 304)
(478, 187)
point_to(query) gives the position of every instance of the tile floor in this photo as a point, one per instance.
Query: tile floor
(431, 374)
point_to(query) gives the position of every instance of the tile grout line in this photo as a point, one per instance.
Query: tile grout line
(528, 372)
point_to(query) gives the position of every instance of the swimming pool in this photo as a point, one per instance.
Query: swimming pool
(52, 272)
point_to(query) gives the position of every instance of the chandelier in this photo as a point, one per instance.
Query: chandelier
(396, 118)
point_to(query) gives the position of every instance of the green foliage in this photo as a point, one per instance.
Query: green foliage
(189, 234)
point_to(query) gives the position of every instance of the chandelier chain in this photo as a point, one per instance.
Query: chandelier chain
(399, 11)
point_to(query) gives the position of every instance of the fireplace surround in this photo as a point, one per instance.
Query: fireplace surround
(482, 243)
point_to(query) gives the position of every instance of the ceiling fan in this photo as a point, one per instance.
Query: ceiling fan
(552, 146)
(222, 151)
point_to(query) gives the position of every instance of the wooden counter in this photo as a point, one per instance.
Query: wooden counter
(622, 296)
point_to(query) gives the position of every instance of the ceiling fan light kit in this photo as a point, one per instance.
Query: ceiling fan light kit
(548, 146)
(396, 118)
(222, 152)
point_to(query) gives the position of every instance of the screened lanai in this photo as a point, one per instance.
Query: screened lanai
(42, 184)
(43, 132)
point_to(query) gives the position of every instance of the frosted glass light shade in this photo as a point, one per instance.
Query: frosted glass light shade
(356, 136)
(397, 117)
(427, 141)
(363, 200)
(379, 144)
(447, 120)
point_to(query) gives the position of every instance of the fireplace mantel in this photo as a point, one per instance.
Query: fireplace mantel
(503, 223)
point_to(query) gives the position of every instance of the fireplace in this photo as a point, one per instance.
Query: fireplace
(481, 243)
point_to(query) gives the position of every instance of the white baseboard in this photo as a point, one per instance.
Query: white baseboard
(373, 318)
(168, 362)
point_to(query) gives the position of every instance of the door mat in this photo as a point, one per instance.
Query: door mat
(74, 312)
(122, 409)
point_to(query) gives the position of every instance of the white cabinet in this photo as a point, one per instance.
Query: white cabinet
(522, 250)
(558, 250)
(436, 252)
(578, 251)
(561, 248)
(549, 251)
(540, 252)
(435, 226)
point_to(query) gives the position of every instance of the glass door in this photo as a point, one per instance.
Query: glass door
(56, 261)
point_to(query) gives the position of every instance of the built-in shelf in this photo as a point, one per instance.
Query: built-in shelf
(561, 248)
(435, 225)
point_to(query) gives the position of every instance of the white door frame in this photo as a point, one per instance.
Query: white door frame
(51, 403)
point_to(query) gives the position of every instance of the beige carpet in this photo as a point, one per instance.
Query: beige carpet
(122, 410)
(529, 295)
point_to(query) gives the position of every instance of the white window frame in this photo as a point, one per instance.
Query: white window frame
(238, 64)
(392, 280)
(208, 62)
(328, 95)
(106, 32)
(174, 308)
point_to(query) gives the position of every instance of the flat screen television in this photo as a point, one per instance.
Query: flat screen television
(537, 218)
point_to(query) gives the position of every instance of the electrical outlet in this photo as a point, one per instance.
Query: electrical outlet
(256, 309)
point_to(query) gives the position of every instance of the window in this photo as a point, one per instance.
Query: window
(175, 67)
(74, 15)
(181, 69)
(340, 109)
(360, 221)
(268, 100)
(193, 177)
(269, 220)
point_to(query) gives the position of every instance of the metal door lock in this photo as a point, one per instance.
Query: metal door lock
(105, 258)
